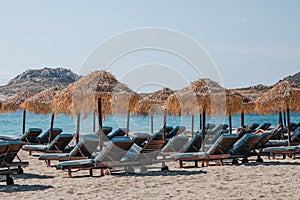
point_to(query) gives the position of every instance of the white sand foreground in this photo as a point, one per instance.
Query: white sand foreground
(273, 179)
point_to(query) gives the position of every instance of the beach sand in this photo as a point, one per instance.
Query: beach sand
(273, 179)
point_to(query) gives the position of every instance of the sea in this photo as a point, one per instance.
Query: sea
(11, 123)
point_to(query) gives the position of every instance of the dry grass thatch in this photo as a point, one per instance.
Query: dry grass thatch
(62, 101)
(153, 103)
(14, 103)
(203, 94)
(283, 95)
(41, 102)
(115, 97)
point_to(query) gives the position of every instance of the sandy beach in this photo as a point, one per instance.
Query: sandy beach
(273, 179)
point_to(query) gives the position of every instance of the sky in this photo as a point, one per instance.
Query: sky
(249, 42)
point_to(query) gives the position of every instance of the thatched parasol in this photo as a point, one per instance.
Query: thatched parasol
(153, 103)
(281, 97)
(41, 103)
(195, 99)
(207, 97)
(62, 101)
(102, 92)
(14, 103)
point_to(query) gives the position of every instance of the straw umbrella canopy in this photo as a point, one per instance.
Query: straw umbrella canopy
(207, 97)
(281, 97)
(41, 103)
(153, 103)
(194, 99)
(102, 92)
(62, 101)
(14, 103)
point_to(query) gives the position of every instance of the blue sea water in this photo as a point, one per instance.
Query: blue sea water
(11, 123)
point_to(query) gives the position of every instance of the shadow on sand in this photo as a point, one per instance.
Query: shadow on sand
(23, 188)
(273, 163)
(162, 173)
(31, 176)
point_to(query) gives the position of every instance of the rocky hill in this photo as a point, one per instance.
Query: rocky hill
(37, 80)
(295, 78)
(252, 92)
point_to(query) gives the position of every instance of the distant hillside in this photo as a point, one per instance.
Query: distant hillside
(295, 78)
(37, 80)
(253, 92)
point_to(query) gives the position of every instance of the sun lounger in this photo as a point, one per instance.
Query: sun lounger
(12, 154)
(214, 138)
(44, 138)
(110, 156)
(253, 126)
(278, 134)
(59, 143)
(174, 144)
(168, 129)
(264, 126)
(210, 126)
(217, 151)
(192, 145)
(295, 139)
(292, 150)
(118, 132)
(8, 165)
(216, 129)
(245, 146)
(29, 137)
(107, 129)
(176, 131)
(4, 168)
(140, 138)
(82, 150)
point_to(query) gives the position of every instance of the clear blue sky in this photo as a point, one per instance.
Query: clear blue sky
(250, 41)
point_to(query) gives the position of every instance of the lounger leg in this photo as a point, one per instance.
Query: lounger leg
(48, 163)
(91, 172)
(180, 164)
(205, 163)
(101, 172)
(30, 153)
(69, 173)
(284, 156)
(273, 155)
(218, 163)
(196, 164)
(294, 155)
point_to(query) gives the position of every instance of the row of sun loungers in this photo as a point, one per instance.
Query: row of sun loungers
(143, 149)
(34, 136)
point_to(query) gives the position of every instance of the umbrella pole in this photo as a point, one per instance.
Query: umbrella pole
(203, 130)
(165, 125)
(192, 125)
(51, 127)
(24, 121)
(94, 122)
(284, 118)
(151, 121)
(200, 119)
(100, 123)
(280, 122)
(230, 124)
(77, 128)
(242, 119)
(128, 119)
(289, 125)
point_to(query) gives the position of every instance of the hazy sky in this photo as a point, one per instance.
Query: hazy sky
(251, 42)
